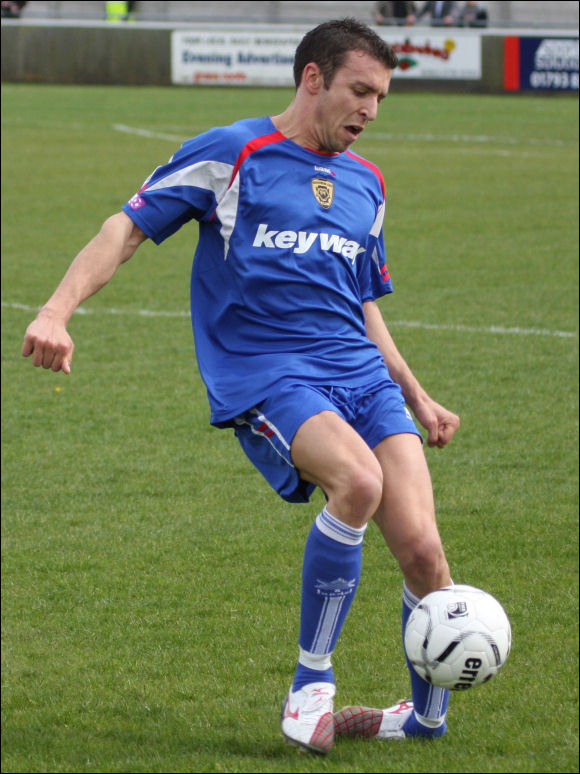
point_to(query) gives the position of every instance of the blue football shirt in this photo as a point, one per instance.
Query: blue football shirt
(290, 246)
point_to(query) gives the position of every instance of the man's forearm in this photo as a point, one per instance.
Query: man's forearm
(399, 370)
(94, 266)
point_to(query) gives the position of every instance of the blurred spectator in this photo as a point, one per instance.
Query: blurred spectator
(442, 13)
(119, 11)
(472, 15)
(402, 13)
(12, 10)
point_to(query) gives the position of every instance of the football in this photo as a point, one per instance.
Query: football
(458, 637)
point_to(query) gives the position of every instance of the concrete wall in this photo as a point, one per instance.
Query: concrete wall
(105, 55)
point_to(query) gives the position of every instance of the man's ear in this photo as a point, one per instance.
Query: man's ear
(312, 78)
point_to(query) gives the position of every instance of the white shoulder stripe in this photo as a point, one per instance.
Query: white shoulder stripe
(378, 224)
(210, 175)
(227, 212)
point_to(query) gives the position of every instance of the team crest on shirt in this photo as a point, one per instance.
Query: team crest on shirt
(323, 191)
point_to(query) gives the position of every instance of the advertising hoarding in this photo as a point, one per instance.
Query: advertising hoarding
(540, 64)
(265, 58)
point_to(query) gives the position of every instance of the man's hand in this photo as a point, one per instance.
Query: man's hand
(49, 343)
(440, 423)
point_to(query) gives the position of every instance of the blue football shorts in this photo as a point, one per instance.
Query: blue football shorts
(267, 430)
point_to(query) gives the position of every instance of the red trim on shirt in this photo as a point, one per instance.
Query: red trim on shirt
(371, 166)
(319, 153)
(254, 145)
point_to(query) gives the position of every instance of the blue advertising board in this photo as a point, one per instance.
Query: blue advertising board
(548, 64)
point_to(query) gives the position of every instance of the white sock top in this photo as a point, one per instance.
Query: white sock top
(337, 530)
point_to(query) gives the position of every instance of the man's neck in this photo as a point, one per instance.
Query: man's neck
(294, 124)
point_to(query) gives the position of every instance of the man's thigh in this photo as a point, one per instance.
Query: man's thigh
(407, 511)
(268, 431)
(324, 449)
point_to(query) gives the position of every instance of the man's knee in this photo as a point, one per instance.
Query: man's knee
(424, 564)
(365, 486)
(357, 492)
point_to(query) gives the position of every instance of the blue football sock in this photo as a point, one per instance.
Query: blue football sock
(413, 727)
(305, 675)
(330, 576)
(430, 702)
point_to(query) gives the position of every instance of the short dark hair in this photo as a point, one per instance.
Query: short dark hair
(328, 44)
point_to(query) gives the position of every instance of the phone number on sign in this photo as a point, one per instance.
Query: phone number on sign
(546, 79)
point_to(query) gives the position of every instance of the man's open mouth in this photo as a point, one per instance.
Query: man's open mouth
(354, 130)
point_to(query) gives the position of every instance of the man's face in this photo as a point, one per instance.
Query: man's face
(344, 109)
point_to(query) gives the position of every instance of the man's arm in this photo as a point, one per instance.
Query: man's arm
(47, 338)
(440, 423)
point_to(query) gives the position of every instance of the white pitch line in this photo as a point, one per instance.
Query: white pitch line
(467, 138)
(489, 329)
(147, 133)
(81, 310)
(498, 329)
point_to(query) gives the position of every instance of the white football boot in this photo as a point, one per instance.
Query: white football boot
(307, 717)
(373, 723)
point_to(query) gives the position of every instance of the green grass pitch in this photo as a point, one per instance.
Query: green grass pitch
(150, 579)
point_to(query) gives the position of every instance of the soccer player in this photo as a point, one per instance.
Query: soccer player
(293, 348)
